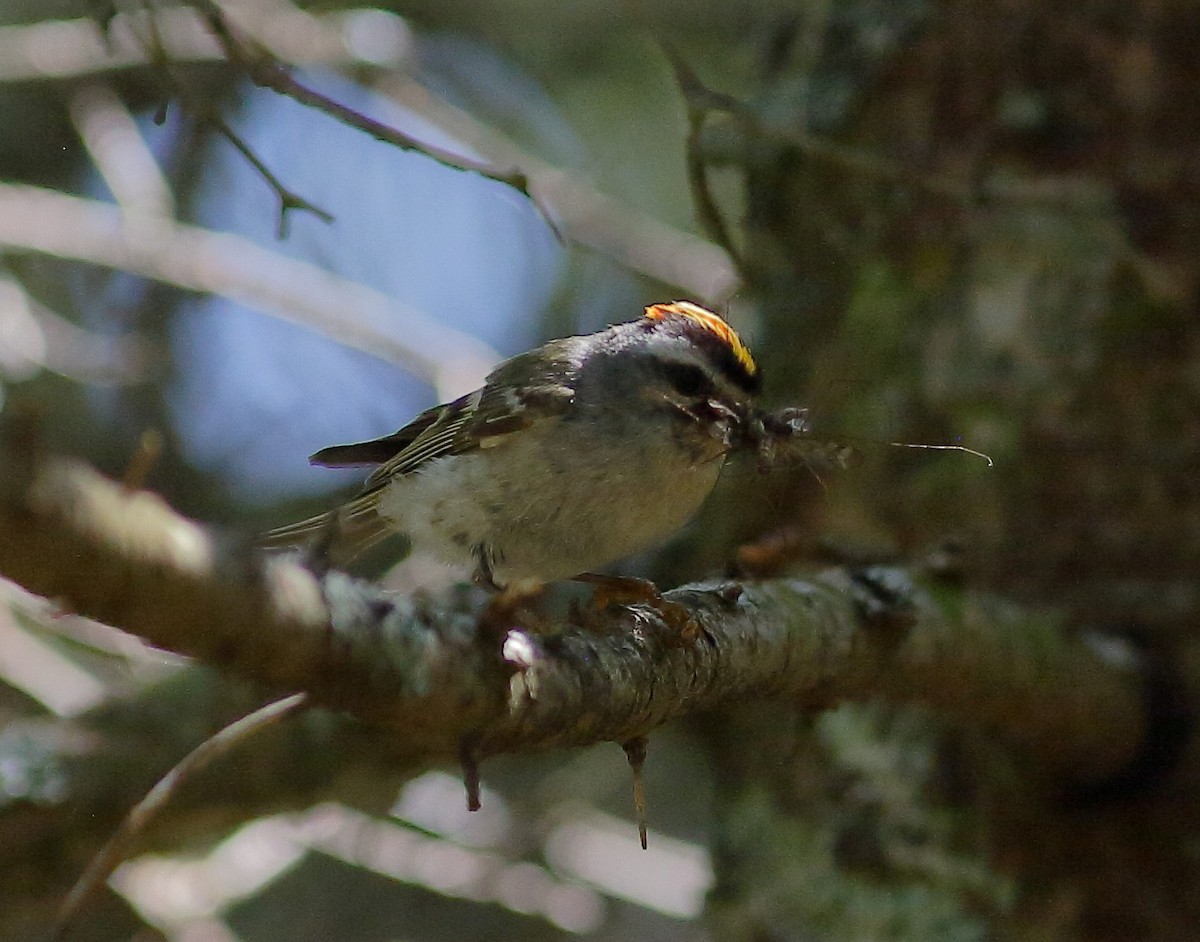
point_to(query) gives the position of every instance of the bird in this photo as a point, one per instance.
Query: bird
(570, 457)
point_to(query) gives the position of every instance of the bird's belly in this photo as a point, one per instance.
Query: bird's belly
(565, 514)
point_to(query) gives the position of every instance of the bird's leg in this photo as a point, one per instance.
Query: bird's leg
(501, 612)
(507, 609)
(624, 590)
(484, 574)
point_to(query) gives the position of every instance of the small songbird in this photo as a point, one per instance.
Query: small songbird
(574, 455)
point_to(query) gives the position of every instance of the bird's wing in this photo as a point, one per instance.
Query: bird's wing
(515, 393)
(352, 529)
(514, 396)
(377, 450)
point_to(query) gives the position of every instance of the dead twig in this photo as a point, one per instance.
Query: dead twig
(699, 102)
(142, 815)
(266, 71)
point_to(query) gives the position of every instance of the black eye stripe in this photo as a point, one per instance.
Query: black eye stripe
(688, 379)
(717, 352)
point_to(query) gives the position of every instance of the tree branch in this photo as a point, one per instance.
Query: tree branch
(429, 671)
(145, 811)
(33, 219)
(581, 213)
(695, 101)
(264, 70)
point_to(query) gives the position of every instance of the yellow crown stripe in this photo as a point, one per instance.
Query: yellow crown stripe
(711, 322)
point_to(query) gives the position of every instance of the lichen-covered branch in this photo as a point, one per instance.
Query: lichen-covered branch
(436, 677)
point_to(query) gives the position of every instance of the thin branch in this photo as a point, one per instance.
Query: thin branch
(582, 214)
(573, 208)
(702, 102)
(143, 814)
(289, 200)
(425, 671)
(81, 775)
(202, 108)
(695, 96)
(45, 221)
(266, 71)
(114, 142)
(586, 216)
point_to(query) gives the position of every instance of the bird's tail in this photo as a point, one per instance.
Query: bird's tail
(342, 535)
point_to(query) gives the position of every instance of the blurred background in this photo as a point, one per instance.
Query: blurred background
(936, 222)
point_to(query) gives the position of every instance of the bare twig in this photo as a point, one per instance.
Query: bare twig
(268, 72)
(702, 102)
(87, 771)
(581, 213)
(572, 207)
(635, 753)
(696, 100)
(143, 814)
(469, 760)
(289, 200)
(204, 109)
(585, 216)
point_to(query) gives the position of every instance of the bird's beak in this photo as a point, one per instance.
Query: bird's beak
(726, 422)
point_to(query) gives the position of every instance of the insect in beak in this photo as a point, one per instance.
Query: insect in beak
(723, 421)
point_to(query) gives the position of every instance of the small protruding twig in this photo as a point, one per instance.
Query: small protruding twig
(468, 757)
(288, 199)
(635, 753)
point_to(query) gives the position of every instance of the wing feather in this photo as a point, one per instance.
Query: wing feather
(444, 436)
(377, 450)
(358, 527)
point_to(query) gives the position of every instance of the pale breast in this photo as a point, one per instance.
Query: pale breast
(547, 507)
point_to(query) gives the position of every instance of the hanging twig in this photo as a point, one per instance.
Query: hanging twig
(203, 109)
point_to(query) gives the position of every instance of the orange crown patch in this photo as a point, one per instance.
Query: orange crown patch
(710, 322)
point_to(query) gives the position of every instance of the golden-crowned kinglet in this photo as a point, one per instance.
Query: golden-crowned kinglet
(581, 452)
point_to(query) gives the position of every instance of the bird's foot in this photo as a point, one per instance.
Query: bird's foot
(509, 608)
(627, 590)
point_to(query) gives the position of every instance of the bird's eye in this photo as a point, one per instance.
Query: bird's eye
(688, 379)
